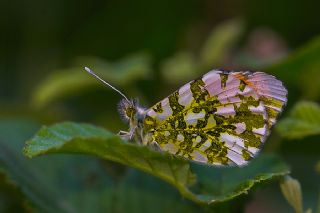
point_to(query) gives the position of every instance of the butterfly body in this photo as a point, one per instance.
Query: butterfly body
(222, 118)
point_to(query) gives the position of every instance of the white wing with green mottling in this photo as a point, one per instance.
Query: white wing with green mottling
(222, 118)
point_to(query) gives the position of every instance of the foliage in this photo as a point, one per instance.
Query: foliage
(185, 65)
(299, 70)
(219, 43)
(292, 191)
(304, 120)
(19, 174)
(68, 183)
(86, 168)
(87, 139)
(73, 80)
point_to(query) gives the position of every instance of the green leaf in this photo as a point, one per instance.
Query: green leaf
(220, 41)
(62, 83)
(318, 205)
(221, 184)
(84, 138)
(291, 190)
(180, 67)
(317, 168)
(303, 121)
(300, 69)
(20, 173)
(185, 66)
(73, 183)
(137, 192)
(213, 185)
(11, 197)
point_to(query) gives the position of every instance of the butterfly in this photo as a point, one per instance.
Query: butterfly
(222, 118)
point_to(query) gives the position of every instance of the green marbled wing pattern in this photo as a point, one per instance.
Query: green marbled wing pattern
(222, 118)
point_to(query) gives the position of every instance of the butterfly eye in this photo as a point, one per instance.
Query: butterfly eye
(130, 112)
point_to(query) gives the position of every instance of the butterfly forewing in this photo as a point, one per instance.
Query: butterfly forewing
(222, 118)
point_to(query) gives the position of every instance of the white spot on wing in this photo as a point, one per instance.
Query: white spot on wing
(274, 108)
(232, 145)
(228, 94)
(180, 137)
(170, 147)
(226, 110)
(198, 139)
(240, 127)
(229, 99)
(272, 120)
(197, 156)
(185, 95)
(225, 96)
(191, 118)
(167, 111)
(268, 86)
(247, 90)
(259, 109)
(205, 146)
(232, 82)
(166, 133)
(152, 113)
(253, 150)
(212, 82)
(231, 139)
(211, 122)
(236, 158)
(260, 131)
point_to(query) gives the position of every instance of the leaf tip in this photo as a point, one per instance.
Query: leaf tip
(291, 190)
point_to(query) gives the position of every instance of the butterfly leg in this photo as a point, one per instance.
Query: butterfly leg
(128, 136)
(155, 146)
(124, 135)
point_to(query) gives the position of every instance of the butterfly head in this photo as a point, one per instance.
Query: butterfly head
(130, 110)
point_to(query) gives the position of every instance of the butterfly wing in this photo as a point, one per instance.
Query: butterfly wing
(222, 118)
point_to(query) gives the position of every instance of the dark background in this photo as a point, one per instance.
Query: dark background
(41, 38)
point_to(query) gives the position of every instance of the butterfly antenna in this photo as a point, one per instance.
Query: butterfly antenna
(106, 83)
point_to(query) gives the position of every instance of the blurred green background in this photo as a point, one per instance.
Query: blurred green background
(147, 49)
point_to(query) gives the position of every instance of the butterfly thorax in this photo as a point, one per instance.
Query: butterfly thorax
(133, 114)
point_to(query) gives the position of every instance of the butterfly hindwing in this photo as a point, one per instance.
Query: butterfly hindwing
(222, 118)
